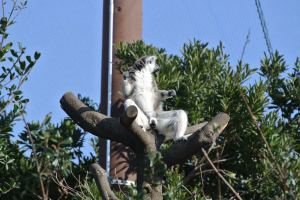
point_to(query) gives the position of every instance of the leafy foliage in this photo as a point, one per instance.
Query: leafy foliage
(206, 84)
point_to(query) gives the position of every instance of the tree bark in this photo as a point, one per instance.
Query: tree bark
(100, 177)
(126, 131)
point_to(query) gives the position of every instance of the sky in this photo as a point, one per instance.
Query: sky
(68, 34)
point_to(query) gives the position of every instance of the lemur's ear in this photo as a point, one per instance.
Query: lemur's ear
(139, 64)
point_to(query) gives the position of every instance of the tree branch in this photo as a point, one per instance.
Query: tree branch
(191, 129)
(231, 188)
(100, 177)
(142, 139)
(200, 139)
(94, 122)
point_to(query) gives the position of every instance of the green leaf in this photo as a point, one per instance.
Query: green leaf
(14, 53)
(48, 155)
(24, 101)
(4, 21)
(29, 67)
(18, 70)
(6, 129)
(11, 160)
(28, 58)
(22, 64)
(67, 140)
(20, 46)
(55, 162)
(11, 59)
(6, 35)
(37, 55)
(18, 92)
(15, 108)
(8, 46)
(141, 193)
(162, 169)
(155, 184)
(2, 54)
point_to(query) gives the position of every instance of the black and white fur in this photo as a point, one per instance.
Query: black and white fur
(140, 89)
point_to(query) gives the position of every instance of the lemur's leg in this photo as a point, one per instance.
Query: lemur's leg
(146, 105)
(173, 122)
(141, 119)
(166, 94)
(151, 116)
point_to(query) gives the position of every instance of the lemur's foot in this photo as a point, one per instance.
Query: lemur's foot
(171, 93)
(142, 127)
(153, 122)
(183, 138)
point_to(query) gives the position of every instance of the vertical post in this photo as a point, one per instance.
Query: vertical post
(127, 26)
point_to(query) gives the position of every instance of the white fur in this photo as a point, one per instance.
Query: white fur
(140, 89)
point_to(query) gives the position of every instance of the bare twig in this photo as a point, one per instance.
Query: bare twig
(16, 15)
(258, 128)
(224, 143)
(192, 194)
(3, 9)
(66, 187)
(202, 183)
(79, 154)
(36, 159)
(247, 41)
(203, 158)
(12, 10)
(219, 183)
(236, 194)
(7, 190)
(119, 184)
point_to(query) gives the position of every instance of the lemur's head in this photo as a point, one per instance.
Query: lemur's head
(147, 63)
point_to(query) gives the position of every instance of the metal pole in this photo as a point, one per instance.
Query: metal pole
(110, 60)
(127, 26)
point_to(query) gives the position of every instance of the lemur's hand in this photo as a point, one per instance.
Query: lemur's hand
(171, 93)
(125, 74)
(153, 122)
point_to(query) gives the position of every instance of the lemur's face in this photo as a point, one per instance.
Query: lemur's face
(151, 65)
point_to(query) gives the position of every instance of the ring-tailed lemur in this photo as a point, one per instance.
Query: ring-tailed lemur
(140, 89)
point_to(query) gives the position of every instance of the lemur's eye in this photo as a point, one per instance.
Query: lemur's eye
(150, 62)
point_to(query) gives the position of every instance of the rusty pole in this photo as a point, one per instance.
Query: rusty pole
(127, 26)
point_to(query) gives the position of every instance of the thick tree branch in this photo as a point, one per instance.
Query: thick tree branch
(142, 139)
(200, 139)
(94, 122)
(193, 129)
(100, 177)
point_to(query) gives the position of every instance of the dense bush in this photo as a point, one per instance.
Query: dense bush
(206, 84)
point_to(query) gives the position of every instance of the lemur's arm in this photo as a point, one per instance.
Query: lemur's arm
(127, 84)
(166, 94)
